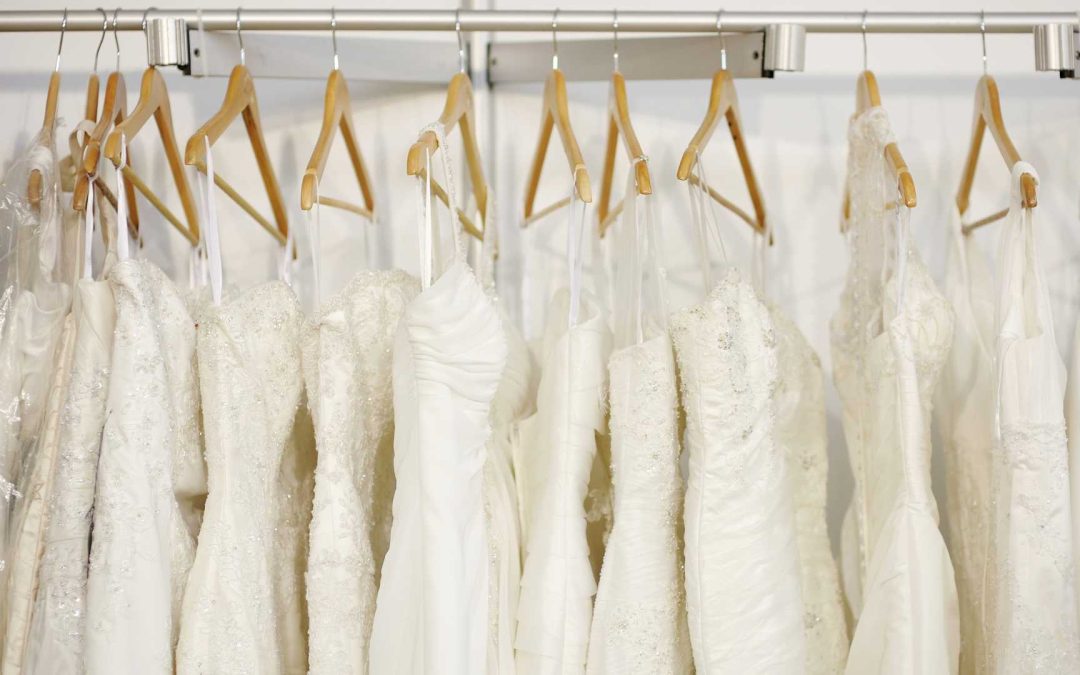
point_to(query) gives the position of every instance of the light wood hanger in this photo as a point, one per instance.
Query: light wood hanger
(458, 110)
(153, 104)
(113, 111)
(867, 95)
(337, 116)
(241, 103)
(35, 184)
(556, 115)
(620, 127)
(988, 115)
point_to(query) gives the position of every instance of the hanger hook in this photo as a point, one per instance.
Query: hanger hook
(615, 32)
(240, 38)
(865, 12)
(555, 39)
(333, 37)
(723, 42)
(146, 13)
(982, 29)
(116, 36)
(104, 30)
(60, 48)
(460, 40)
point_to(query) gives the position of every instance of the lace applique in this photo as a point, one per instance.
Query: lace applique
(742, 583)
(639, 622)
(347, 364)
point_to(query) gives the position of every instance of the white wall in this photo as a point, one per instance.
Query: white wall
(795, 127)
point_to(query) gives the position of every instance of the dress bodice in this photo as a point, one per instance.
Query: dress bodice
(244, 604)
(347, 366)
(742, 582)
(431, 609)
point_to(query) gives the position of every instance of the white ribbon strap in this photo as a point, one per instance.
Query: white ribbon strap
(575, 238)
(123, 247)
(210, 230)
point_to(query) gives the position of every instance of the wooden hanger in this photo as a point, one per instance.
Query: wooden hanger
(620, 127)
(35, 184)
(556, 115)
(337, 116)
(113, 111)
(723, 104)
(988, 116)
(240, 102)
(867, 95)
(458, 110)
(154, 104)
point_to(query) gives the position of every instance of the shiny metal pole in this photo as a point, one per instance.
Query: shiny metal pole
(570, 21)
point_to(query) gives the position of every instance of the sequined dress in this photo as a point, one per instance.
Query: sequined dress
(347, 367)
(146, 514)
(742, 578)
(244, 608)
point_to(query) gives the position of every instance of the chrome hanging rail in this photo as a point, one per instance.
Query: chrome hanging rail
(570, 21)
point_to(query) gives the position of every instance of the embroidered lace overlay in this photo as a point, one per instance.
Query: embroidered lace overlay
(56, 642)
(244, 609)
(742, 578)
(890, 339)
(1033, 606)
(347, 365)
(963, 416)
(143, 532)
(800, 432)
(557, 587)
(639, 622)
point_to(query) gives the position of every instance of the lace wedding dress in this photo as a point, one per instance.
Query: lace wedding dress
(431, 611)
(147, 508)
(55, 643)
(799, 406)
(890, 339)
(639, 620)
(1035, 623)
(347, 366)
(963, 414)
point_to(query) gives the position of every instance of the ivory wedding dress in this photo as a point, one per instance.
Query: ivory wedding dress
(147, 508)
(244, 608)
(891, 337)
(431, 611)
(515, 400)
(55, 643)
(555, 466)
(799, 405)
(743, 593)
(347, 365)
(639, 620)
(964, 413)
(1034, 604)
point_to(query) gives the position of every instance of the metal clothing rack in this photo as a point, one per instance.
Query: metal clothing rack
(759, 44)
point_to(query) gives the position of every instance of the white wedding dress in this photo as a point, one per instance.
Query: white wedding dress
(1033, 608)
(347, 366)
(639, 620)
(431, 611)
(890, 339)
(244, 606)
(554, 469)
(55, 643)
(799, 405)
(743, 594)
(147, 508)
(964, 413)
